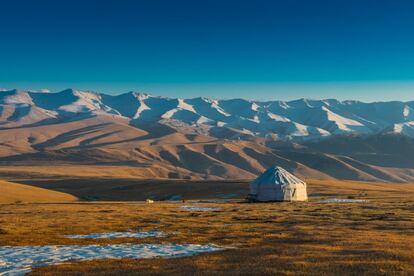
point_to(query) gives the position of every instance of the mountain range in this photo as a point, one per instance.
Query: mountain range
(209, 138)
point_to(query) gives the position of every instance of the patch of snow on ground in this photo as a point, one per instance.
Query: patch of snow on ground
(18, 260)
(217, 200)
(115, 235)
(199, 209)
(340, 200)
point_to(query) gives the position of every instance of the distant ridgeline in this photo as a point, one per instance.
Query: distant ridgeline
(204, 138)
(293, 120)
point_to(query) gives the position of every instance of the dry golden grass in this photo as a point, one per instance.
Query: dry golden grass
(13, 192)
(308, 238)
(56, 171)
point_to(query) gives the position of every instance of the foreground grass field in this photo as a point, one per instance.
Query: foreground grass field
(375, 237)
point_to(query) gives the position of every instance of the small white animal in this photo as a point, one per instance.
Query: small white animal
(150, 201)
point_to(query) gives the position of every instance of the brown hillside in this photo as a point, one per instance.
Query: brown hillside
(15, 193)
(161, 151)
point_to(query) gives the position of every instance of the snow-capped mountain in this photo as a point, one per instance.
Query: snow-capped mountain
(208, 138)
(296, 120)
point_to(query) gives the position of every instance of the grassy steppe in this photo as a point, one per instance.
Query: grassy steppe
(307, 238)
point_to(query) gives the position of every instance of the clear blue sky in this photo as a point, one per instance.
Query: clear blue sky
(346, 49)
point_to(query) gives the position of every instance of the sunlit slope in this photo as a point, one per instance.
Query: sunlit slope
(13, 193)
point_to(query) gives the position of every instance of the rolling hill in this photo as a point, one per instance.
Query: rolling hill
(17, 193)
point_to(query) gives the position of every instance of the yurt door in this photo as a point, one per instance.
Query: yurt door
(293, 194)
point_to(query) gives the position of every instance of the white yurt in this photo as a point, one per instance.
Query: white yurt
(277, 184)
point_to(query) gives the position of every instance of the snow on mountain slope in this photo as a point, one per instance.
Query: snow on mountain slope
(129, 105)
(15, 97)
(382, 114)
(344, 124)
(157, 107)
(406, 128)
(298, 120)
(183, 112)
(239, 107)
(278, 118)
(185, 106)
(85, 102)
(70, 101)
(208, 108)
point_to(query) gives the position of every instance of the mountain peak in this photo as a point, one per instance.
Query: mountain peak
(139, 95)
(302, 119)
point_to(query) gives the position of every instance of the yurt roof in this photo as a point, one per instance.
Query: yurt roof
(278, 175)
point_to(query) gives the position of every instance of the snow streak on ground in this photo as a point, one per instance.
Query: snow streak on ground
(18, 260)
(199, 209)
(342, 200)
(114, 235)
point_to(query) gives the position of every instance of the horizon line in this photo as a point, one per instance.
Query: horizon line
(47, 91)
